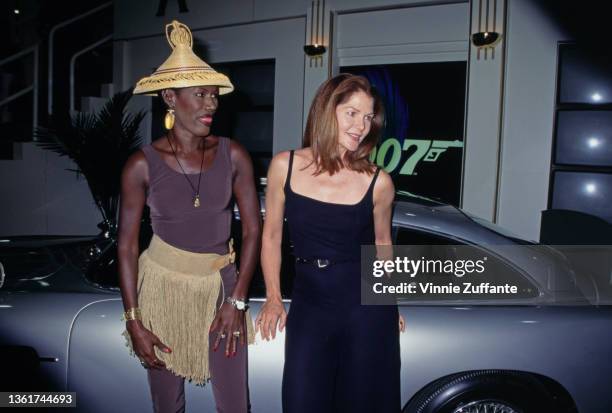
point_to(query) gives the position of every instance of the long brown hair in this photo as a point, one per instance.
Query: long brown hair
(321, 132)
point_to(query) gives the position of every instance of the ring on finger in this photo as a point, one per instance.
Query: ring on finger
(236, 333)
(222, 335)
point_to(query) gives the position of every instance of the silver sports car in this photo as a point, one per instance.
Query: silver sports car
(549, 351)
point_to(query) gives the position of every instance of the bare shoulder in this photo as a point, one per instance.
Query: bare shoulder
(236, 147)
(277, 171)
(136, 169)
(304, 157)
(384, 181)
(305, 153)
(280, 162)
(136, 162)
(237, 151)
(384, 189)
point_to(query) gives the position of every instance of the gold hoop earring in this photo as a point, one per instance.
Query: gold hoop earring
(169, 119)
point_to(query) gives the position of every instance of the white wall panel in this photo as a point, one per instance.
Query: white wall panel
(529, 106)
(405, 35)
(69, 205)
(483, 123)
(354, 5)
(39, 196)
(404, 26)
(267, 9)
(22, 190)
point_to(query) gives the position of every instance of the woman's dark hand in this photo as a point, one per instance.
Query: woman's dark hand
(229, 324)
(144, 343)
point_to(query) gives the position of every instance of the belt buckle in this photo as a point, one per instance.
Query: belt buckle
(322, 263)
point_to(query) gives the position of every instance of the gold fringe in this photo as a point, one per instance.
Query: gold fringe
(178, 301)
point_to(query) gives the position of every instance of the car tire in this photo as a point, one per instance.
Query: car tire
(508, 391)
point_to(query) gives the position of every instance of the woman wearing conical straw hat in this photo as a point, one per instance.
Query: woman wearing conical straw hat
(184, 303)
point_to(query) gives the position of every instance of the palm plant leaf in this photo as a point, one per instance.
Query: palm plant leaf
(99, 145)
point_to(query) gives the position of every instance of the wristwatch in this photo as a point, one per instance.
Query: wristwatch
(238, 304)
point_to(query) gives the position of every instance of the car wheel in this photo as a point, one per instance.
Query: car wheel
(483, 391)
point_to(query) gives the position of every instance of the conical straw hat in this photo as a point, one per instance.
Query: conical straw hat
(183, 68)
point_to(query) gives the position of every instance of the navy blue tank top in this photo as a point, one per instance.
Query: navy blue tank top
(328, 230)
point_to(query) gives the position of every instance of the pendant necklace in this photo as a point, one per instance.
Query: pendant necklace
(196, 192)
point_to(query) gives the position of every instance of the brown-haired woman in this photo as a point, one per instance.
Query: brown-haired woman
(339, 355)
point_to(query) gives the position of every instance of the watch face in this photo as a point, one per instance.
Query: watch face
(240, 305)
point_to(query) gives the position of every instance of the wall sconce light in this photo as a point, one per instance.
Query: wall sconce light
(487, 36)
(315, 48)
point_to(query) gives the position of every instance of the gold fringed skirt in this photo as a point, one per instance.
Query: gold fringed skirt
(177, 294)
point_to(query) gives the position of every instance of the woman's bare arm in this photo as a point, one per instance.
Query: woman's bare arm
(230, 320)
(133, 189)
(384, 193)
(250, 217)
(273, 312)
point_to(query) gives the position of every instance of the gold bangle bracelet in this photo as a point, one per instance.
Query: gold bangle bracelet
(132, 314)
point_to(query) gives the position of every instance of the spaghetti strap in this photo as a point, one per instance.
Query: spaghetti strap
(370, 189)
(288, 179)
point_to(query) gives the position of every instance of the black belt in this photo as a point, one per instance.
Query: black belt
(321, 262)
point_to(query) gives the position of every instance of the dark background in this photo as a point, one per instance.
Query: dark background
(423, 101)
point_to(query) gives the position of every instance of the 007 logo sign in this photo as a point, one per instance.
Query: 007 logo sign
(427, 150)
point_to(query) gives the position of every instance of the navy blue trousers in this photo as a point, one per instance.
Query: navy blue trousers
(340, 356)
